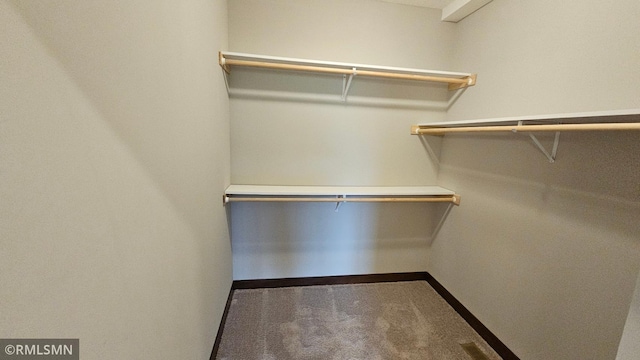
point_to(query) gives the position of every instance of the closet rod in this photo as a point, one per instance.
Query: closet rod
(455, 199)
(453, 82)
(426, 130)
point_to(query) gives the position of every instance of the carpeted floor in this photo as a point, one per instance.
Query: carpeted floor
(398, 320)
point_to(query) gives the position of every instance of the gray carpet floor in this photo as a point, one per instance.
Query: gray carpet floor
(398, 320)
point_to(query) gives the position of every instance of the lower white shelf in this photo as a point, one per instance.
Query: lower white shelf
(339, 194)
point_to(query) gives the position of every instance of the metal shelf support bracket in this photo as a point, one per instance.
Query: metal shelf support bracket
(554, 150)
(346, 84)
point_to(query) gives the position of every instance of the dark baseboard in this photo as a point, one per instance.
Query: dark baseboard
(327, 280)
(473, 321)
(216, 344)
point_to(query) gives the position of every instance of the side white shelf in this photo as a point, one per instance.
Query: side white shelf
(339, 194)
(615, 120)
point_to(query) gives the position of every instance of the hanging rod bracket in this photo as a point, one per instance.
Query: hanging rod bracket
(226, 71)
(340, 199)
(542, 149)
(223, 63)
(346, 84)
(554, 150)
(469, 81)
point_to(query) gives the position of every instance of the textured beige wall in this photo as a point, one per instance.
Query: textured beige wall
(114, 141)
(630, 343)
(546, 255)
(319, 142)
(316, 141)
(547, 57)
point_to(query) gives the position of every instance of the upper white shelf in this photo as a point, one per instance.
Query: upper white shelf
(455, 80)
(275, 193)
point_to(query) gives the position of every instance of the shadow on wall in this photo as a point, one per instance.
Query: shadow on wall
(328, 88)
(604, 163)
(134, 74)
(275, 240)
(554, 246)
(598, 170)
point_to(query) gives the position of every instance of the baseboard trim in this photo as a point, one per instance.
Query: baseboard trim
(473, 321)
(327, 280)
(223, 320)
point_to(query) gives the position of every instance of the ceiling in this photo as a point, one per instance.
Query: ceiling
(452, 10)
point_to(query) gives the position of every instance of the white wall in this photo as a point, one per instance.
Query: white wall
(114, 150)
(317, 141)
(547, 57)
(546, 255)
(630, 343)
